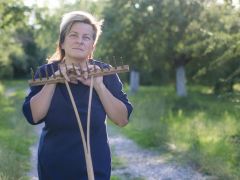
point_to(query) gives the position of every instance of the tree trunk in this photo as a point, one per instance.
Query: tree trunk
(134, 81)
(181, 81)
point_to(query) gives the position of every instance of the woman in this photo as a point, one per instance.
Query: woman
(61, 154)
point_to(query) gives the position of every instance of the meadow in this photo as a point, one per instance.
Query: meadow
(202, 129)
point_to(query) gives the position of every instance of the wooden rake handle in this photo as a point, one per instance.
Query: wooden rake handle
(94, 73)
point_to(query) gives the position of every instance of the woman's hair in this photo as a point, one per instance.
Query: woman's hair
(67, 22)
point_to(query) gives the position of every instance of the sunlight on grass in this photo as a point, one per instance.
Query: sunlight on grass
(118, 163)
(3, 176)
(1, 89)
(236, 87)
(197, 129)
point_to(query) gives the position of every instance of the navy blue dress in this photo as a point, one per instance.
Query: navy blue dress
(60, 153)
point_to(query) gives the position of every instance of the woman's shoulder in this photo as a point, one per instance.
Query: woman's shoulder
(47, 68)
(100, 63)
(48, 64)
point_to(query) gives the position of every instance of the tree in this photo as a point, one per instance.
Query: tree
(157, 37)
(13, 16)
(150, 35)
(217, 50)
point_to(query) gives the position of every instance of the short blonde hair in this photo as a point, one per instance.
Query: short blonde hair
(67, 22)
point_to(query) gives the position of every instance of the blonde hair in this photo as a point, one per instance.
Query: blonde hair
(67, 22)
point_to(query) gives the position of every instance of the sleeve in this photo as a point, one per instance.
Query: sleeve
(26, 105)
(26, 109)
(114, 85)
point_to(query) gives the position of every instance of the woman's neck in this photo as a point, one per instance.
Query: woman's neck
(81, 62)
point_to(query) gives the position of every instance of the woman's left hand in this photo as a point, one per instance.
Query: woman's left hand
(97, 81)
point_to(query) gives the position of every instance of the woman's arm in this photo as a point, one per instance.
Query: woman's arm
(115, 109)
(40, 102)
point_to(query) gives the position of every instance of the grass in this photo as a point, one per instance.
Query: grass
(16, 135)
(201, 129)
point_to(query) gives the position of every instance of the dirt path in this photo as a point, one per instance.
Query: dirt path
(146, 164)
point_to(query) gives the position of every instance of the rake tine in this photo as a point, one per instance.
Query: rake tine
(66, 68)
(101, 67)
(60, 71)
(107, 60)
(109, 66)
(94, 65)
(88, 70)
(121, 60)
(46, 72)
(80, 69)
(32, 73)
(115, 62)
(53, 72)
(74, 69)
(40, 74)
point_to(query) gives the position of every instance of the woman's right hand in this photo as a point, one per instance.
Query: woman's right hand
(68, 72)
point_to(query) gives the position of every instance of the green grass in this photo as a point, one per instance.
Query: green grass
(16, 135)
(202, 129)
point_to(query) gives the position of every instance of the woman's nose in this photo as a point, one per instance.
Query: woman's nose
(80, 40)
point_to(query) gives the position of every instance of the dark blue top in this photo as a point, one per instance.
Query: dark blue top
(61, 154)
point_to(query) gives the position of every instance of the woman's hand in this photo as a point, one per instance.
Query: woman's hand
(69, 72)
(97, 81)
(74, 74)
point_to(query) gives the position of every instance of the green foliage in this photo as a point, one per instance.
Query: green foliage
(18, 50)
(15, 134)
(152, 36)
(216, 50)
(156, 36)
(202, 130)
(13, 16)
(149, 34)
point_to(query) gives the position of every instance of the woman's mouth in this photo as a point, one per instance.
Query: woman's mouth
(79, 49)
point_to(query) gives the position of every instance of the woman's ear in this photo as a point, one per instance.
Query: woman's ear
(62, 46)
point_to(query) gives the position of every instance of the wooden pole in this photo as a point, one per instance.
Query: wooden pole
(86, 145)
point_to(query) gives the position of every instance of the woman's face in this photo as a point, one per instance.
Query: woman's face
(79, 42)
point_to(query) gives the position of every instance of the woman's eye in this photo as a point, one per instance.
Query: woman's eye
(87, 38)
(72, 35)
